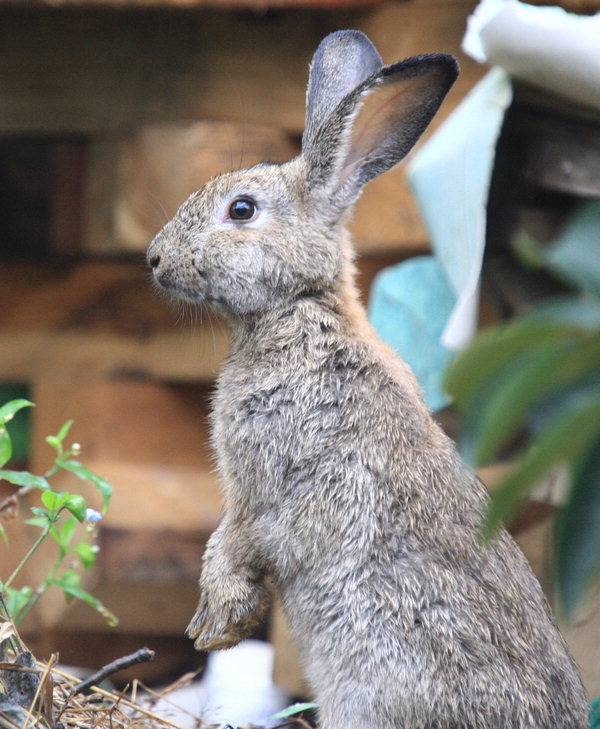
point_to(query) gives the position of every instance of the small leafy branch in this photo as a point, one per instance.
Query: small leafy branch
(57, 517)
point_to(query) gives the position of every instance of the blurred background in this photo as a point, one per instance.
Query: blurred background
(111, 113)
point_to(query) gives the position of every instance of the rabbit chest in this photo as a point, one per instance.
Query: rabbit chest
(307, 450)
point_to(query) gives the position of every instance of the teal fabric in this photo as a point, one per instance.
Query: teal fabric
(595, 714)
(409, 306)
(424, 307)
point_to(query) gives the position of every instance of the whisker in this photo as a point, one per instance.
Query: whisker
(157, 201)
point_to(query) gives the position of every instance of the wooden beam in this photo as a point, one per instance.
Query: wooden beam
(89, 321)
(88, 70)
(136, 181)
(96, 320)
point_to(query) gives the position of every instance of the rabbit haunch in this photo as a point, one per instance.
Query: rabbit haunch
(339, 487)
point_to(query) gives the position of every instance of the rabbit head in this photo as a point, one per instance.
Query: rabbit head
(252, 239)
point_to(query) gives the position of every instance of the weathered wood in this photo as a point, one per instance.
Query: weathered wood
(260, 6)
(70, 164)
(137, 180)
(90, 321)
(95, 320)
(134, 71)
(88, 70)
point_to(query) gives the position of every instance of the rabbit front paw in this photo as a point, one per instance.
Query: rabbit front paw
(223, 621)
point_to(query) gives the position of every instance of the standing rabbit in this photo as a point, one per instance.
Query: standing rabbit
(338, 484)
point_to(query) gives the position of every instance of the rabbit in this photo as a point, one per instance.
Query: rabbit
(340, 490)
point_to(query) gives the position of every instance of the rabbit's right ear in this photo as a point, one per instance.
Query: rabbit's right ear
(363, 117)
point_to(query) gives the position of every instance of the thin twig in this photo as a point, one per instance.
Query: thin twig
(26, 558)
(140, 656)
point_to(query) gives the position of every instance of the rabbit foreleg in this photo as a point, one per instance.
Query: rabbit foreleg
(233, 597)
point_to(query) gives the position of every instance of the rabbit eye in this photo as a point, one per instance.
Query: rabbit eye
(242, 208)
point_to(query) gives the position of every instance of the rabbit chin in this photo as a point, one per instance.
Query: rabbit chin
(177, 292)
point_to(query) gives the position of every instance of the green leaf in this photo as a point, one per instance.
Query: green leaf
(41, 513)
(87, 553)
(64, 431)
(69, 578)
(295, 709)
(8, 411)
(562, 440)
(3, 535)
(5, 446)
(526, 382)
(54, 500)
(24, 478)
(577, 533)
(70, 586)
(63, 535)
(38, 521)
(493, 350)
(16, 599)
(77, 506)
(85, 474)
(53, 441)
(575, 312)
(574, 254)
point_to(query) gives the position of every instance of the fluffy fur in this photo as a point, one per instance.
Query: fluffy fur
(338, 485)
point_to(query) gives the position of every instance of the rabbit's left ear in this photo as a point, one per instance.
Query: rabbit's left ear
(375, 124)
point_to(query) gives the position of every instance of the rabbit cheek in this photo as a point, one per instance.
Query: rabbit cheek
(237, 278)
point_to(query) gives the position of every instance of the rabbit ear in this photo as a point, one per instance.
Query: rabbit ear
(341, 63)
(375, 125)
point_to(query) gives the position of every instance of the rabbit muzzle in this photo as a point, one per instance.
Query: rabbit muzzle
(175, 270)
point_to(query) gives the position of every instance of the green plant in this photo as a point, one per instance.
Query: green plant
(61, 516)
(540, 374)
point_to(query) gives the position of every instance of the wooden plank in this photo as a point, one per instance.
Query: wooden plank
(90, 321)
(137, 180)
(144, 70)
(174, 654)
(87, 70)
(260, 6)
(387, 215)
(66, 205)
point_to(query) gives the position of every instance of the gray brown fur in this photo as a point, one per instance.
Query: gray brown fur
(338, 485)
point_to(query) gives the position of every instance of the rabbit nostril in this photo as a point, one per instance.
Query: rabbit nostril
(154, 261)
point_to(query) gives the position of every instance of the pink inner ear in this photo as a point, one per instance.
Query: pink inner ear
(384, 116)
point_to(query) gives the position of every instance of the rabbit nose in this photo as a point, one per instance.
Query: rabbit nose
(154, 260)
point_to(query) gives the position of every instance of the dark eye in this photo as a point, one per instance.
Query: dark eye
(242, 208)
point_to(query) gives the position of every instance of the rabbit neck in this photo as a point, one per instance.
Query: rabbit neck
(336, 316)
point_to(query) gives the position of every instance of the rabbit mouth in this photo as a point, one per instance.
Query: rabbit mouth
(179, 291)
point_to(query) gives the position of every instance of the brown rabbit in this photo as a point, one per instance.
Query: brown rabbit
(338, 484)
